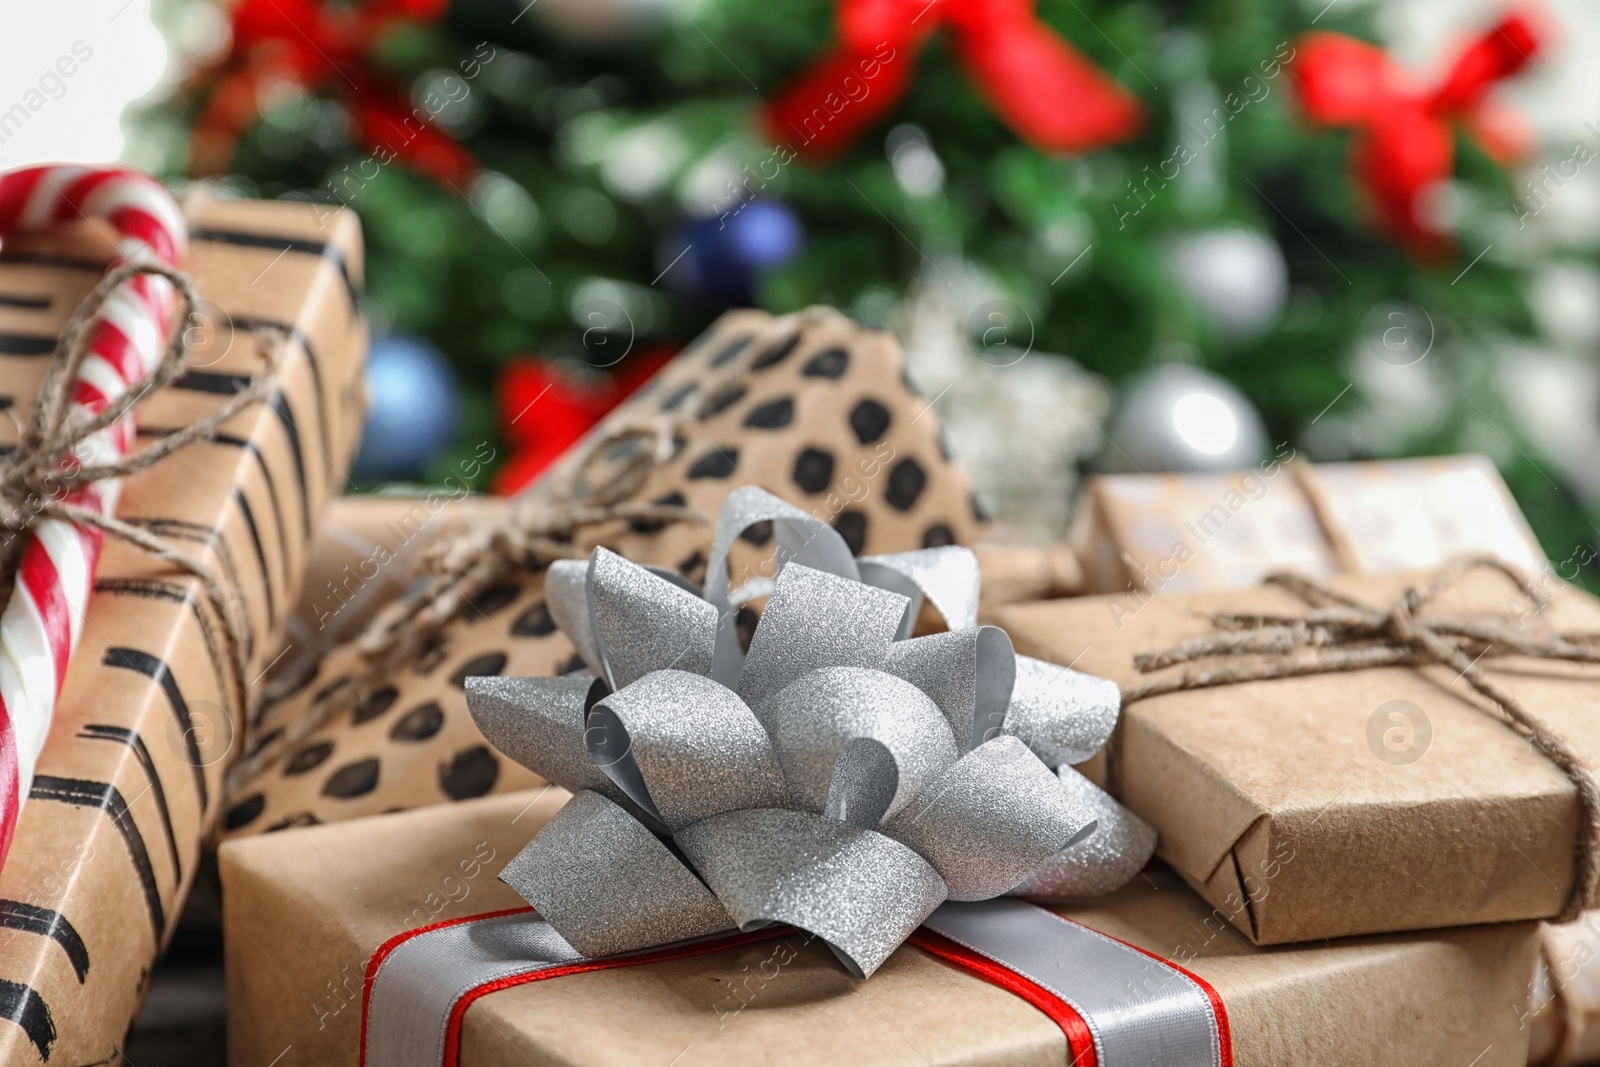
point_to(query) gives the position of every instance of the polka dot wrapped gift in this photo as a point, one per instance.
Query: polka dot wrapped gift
(840, 776)
(809, 406)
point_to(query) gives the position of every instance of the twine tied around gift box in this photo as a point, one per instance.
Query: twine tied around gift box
(41, 476)
(594, 487)
(537, 529)
(1340, 634)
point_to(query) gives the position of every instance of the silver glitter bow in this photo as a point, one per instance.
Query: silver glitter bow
(841, 776)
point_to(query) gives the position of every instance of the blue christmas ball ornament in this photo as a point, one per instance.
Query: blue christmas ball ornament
(717, 261)
(765, 234)
(413, 407)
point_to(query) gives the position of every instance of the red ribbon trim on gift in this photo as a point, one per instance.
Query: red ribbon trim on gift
(452, 1046)
(452, 1040)
(1080, 1040)
(1404, 141)
(1218, 1009)
(395, 942)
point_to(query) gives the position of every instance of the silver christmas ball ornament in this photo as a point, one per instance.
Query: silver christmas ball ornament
(1181, 418)
(1236, 277)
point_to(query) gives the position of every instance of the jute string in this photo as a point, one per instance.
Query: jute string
(537, 529)
(593, 488)
(1341, 634)
(42, 476)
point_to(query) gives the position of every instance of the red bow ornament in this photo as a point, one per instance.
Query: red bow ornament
(545, 408)
(1404, 143)
(1052, 96)
(325, 47)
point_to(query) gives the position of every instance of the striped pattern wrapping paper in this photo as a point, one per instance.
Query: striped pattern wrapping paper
(43, 618)
(129, 777)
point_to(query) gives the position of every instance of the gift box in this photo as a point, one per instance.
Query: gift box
(809, 406)
(1344, 801)
(1019, 574)
(314, 921)
(1564, 1023)
(131, 774)
(1174, 533)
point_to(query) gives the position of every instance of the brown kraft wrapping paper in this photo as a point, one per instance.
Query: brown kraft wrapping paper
(1179, 533)
(109, 841)
(303, 912)
(1346, 803)
(820, 415)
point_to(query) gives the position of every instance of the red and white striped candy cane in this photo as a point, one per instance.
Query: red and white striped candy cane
(127, 340)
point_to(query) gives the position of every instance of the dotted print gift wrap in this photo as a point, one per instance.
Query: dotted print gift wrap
(811, 407)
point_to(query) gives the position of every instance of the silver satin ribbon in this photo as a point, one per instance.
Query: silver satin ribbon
(1140, 1011)
(421, 980)
(841, 776)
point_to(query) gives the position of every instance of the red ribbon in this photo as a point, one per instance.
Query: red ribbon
(1052, 96)
(1404, 145)
(1080, 1039)
(325, 48)
(452, 1046)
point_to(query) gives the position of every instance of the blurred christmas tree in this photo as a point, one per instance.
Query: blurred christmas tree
(595, 179)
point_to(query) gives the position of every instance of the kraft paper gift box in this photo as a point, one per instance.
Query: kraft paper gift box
(1565, 1017)
(1176, 533)
(820, 415)
(108, 843)
(1017, 574)
(1352, 802)
(305, 912)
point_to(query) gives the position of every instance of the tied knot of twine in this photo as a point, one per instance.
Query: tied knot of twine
(58, 457)
(595, 487)
(1339, 634)
(592, 487)
(537, 528)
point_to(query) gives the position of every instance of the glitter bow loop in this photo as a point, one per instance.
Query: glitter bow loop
(839, 776)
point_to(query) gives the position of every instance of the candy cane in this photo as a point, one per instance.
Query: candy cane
(44, 617)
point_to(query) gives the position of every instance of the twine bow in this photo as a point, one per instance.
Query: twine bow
(49, 473)
(1340, 634)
